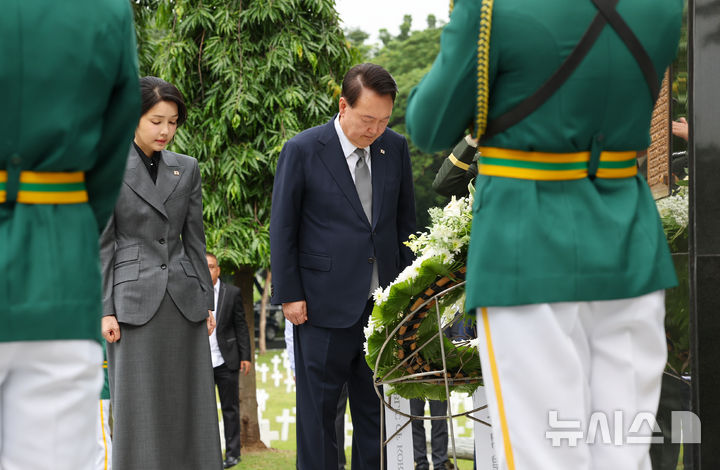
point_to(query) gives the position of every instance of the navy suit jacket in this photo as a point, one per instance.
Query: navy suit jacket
(322, 246)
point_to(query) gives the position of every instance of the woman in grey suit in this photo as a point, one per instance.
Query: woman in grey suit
(157, 297)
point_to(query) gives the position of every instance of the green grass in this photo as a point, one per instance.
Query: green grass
(281, 454)
(274, 459)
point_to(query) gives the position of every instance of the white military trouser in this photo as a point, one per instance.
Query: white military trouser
(568, 383)
(49, 393)
(103, 441)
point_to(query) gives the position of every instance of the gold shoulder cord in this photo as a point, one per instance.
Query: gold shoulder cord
(483, 66)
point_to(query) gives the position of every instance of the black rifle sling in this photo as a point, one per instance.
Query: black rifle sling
(606, 14)
(607, 9)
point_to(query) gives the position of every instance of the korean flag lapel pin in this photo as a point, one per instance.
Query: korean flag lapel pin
(176, 173)
(382, 151)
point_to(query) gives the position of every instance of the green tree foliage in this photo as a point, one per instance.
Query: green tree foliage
(359, 51)
(431, 21)
(357, 37)
(385, 36)
(405, 28)
(253, 73)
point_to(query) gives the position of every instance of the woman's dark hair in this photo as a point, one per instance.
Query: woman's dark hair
(369, 76)
(153, 90)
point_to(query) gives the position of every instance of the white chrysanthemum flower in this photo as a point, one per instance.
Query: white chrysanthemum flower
(381, 295)
(442, 233)
(371, 327)
(454, 207)
(408, 273)
(448, 314)
(368, 331)
(674, 209)
(431, 252)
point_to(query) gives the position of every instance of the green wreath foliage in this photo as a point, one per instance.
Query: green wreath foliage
(442, 252)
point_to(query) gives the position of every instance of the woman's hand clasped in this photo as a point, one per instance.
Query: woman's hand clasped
(110, 329)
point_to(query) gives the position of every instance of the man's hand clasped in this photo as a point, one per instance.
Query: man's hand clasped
(295, 312)
(210, 323)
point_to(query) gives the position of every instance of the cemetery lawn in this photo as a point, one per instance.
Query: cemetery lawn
(279, 406)
(273, 459)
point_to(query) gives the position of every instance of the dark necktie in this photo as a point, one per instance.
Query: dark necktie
(363, 185)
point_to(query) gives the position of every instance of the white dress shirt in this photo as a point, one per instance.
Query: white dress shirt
(215, 354)
(290, 344)
(349, 150)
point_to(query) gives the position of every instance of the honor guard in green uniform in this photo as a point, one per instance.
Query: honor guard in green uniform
(568, 260)
(70, 101)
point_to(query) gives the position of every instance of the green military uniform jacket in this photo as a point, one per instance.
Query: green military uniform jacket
(70, 101)
(553, 241)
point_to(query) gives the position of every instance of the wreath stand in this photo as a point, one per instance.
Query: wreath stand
(428, 376)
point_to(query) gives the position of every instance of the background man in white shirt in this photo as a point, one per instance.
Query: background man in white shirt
(230, 352)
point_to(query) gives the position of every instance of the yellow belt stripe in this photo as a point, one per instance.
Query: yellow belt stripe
(52, 197)
(531, 174)
(3, 179)
(617, 156)
(609, 173)
(545, 157)
(550, 157)
(49, 196)
(554, 175)
(492, 169)
(51, 177)
(498, 392)
(458, 163)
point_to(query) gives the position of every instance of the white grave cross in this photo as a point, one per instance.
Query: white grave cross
(263, 369)
(285, 420)
(289, 384)
(276, 376)
(266, 435)
(285, 358)
(262, 397)
(275, 362)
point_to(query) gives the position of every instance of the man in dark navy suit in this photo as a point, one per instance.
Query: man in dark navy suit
(343, 205)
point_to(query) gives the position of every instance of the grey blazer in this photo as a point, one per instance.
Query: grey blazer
(155, 242)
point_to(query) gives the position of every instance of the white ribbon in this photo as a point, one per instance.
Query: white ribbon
(399, 449)
(484, 454)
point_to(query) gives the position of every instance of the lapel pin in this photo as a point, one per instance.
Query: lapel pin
(176, 173)
(382, 151)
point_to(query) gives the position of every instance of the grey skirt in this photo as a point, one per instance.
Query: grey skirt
(163, 395)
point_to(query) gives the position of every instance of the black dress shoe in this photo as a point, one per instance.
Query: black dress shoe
(231, 462)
